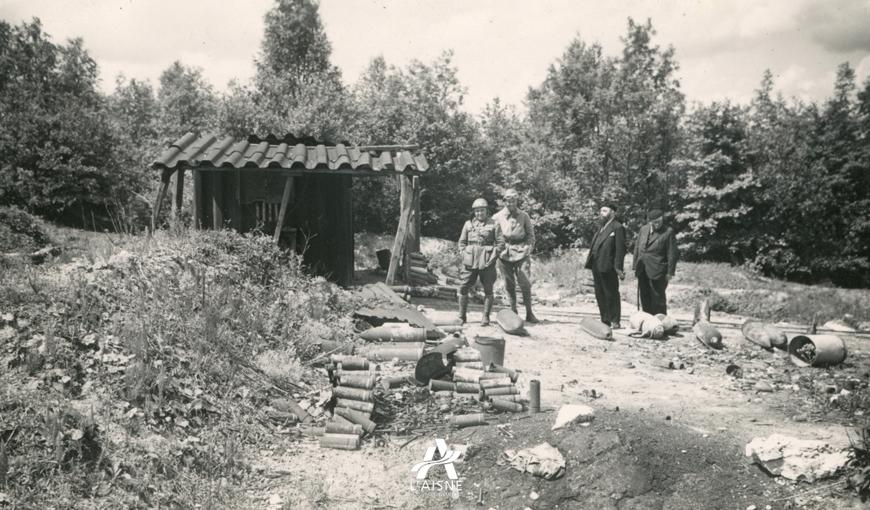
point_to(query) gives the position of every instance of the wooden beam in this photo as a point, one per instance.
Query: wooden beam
(237, 201)
(285, 199)
(197, 200)
(158, 201)
(217, 199)
(399, 243)
(412, 188)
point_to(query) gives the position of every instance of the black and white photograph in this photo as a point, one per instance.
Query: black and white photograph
(435, 254)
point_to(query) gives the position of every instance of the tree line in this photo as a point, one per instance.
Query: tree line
(781, 185)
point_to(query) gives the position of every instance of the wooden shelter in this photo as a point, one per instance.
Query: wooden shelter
(298, 190)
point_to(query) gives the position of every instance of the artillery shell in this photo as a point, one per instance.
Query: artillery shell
(396, 381)
(465, 355)
(535, 396)
(350, 362)
(356, 405)
(467, 374)
(468, 420)
(498, 369)
(353, 393)
(474, 365)
(439, 385)
(506, 405)
(364, 381)
(340, 441)
(411, 351)
(356, 417)
(501, 390)
(495, 383)
(343, 427)
(466, 387)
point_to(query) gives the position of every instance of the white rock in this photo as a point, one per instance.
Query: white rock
(573, 413)
(796, 459)
(534, 496)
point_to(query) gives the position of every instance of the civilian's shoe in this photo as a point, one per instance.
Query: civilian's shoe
(615, 325)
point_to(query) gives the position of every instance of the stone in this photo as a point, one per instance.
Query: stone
(764, 386)
(796, 459)
(573, 413)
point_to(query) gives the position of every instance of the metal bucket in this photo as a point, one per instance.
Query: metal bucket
(827, 350)
(491, 349)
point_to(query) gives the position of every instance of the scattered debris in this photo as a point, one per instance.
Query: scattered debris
(573, 413)
(796, 459)
(510, 322)
(543, 460)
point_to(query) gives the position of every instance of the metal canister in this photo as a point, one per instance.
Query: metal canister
(340, 441)
(353, 393)
(365, 381)
(439, 385)
(356, 405)
(535, 396)
(356, 417)
(468, 420)
(495, 383)
(507, 405)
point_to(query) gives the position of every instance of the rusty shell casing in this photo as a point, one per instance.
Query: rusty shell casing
(467, 374)
(466, 355)
(467, 387)
(507, 405)
(350, 362)
(399, 334)
(356, 405)
(535, 396)
(363, 381)
(492, 375)
(468, 420)
(396, 381)
(411, 351)
(474, 365)
(353, 393)
(338, 419)
(343, 427)
(439, 385)
(507, 398)
(501, 390)
(356, 417)
(339, 441)
(498, 369)
(496, 383)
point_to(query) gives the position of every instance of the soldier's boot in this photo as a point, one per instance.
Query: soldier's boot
(487, 308)
(527, 300)
(512, 295)
(463, 308)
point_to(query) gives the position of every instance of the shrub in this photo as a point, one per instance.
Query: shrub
(20, 231)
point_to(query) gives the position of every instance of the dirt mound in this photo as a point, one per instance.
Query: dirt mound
(622, 461)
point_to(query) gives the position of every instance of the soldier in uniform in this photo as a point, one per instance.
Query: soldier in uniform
(479, 244)
(514, 263)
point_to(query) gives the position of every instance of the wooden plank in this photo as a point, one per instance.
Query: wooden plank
(237, 201)
(398, 243)
(217, 198)
(417, 220)
(197, 199)
(179, 193)
(285, 199)
(405, 197)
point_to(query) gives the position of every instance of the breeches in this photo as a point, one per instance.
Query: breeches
(469, 277)
(516, 272)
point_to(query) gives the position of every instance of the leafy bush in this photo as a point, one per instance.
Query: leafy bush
(20, 231)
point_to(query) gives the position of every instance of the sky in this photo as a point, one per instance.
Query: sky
(501, 47)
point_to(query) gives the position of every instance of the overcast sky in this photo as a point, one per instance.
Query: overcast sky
(501, 46)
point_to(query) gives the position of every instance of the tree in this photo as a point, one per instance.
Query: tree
(187, 102)
(58, 146)
(135, 113)
(298, 89)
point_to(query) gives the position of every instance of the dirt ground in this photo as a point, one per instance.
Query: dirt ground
(661, 439)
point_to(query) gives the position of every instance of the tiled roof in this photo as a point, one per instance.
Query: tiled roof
(209, 151)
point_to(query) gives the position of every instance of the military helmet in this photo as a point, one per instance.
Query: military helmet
(479, 203)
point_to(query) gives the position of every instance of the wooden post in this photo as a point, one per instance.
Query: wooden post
(399, 242)
(197, 200)
(158, 202)
(414, 227)
(217, 199)
(285, 199)
(237, 201)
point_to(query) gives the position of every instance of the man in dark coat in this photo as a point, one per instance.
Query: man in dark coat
(605, 260)
(655, 261)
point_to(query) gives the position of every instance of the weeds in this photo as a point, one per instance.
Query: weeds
(860, 479)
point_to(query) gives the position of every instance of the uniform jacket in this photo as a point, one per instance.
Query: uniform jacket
(477, 242)
(519, 234)
(657, 251)
(607, 252)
